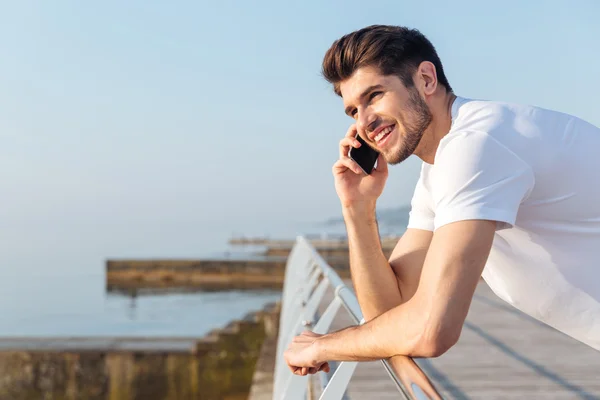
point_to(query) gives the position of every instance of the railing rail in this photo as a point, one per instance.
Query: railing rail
(307, 278)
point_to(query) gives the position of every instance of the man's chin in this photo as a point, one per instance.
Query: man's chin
(391, 156)
(394, 158)
(391, 160)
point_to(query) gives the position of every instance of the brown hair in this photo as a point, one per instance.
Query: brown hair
(394, 50)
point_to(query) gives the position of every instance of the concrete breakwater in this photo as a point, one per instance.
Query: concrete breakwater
(202, 274)
(218, 366)
(264, 270)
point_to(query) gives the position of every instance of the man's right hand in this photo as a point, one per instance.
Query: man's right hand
(352, 185)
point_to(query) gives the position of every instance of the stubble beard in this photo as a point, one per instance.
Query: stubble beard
(413, 131)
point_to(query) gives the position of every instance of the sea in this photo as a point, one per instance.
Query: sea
(56, 286)
(59, 290)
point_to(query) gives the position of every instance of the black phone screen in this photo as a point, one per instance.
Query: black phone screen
(364, 156)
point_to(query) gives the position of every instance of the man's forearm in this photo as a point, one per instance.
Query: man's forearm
(397, 332)
(374, 281)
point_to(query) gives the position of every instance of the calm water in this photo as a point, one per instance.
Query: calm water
(79, 306)
(52, 281)
(53, 284)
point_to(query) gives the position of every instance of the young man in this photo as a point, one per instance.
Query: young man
(507, 191)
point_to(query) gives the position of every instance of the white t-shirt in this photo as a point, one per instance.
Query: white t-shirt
(536, 172)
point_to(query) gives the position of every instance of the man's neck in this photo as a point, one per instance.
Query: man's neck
(441, 110)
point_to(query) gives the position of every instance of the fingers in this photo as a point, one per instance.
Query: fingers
(300, 370)
(352, 131)
(344, 164)
(324, 367)
(303, 371)
(346, 143)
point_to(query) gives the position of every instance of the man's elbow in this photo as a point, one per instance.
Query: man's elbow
(436, 344)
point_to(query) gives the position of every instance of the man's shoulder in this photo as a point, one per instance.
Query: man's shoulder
(517, 127)
(466, 146)
(490, 105)
(488, 115)
(480, 114)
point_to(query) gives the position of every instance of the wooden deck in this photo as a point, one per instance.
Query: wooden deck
(502, 354)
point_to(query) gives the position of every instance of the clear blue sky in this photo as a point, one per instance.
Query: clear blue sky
(149, 128)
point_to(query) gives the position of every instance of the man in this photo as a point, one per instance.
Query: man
(505, 190)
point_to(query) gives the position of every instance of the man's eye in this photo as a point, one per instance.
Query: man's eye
(374, 94)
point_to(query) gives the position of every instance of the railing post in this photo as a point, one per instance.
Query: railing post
(336, 387)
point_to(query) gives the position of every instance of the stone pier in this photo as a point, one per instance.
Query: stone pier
(218, 366)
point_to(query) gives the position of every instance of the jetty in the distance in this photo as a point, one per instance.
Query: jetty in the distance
(263, 268)
(326, 245)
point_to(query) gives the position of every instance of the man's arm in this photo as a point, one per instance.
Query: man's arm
(430, 322)
(407, 260)
(382, 284)
(372, 279)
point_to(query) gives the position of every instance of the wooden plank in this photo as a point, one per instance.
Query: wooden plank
(502, 353)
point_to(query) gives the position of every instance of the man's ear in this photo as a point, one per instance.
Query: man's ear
(427, 78)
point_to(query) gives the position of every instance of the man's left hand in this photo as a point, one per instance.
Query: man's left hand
(302, 355)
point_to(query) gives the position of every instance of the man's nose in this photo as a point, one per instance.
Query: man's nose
(366, 121)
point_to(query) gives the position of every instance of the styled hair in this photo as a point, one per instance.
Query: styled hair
(394, 50)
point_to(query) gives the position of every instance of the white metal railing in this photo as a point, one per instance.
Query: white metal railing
(307, 278)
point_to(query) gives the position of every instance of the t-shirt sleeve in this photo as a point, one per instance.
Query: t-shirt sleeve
(477, 177)
(421, 214)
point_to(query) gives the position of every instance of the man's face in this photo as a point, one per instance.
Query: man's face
(390, 117)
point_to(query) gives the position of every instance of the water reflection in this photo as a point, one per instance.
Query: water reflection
(132, 304)
(184, 311)
(82, 305)
(177, 295)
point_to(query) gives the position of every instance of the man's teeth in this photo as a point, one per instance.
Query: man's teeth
(384, 132)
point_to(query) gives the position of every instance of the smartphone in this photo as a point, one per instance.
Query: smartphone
(364, 156)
